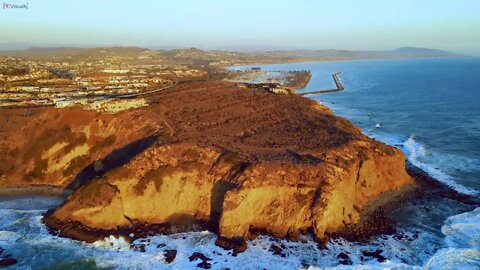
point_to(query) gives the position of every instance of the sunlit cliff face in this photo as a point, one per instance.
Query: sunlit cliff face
(236, 160)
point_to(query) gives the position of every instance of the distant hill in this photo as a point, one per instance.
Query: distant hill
(403, 52)
(197, 57)
(72, 52)
(425, 52)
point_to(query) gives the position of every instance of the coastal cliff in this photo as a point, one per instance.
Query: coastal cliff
(65, 147)
(206, 155)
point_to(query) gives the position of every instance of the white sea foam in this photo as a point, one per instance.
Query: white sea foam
(417, 155)
(24, 236)
(462, 236)
(375, 266)
(257, 256)
(430, 162)
(463, 230)
(112, 242)
(454, 259)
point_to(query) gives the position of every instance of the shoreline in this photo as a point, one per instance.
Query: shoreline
(33, 190)
(346, 60)
(338, 89)
(376, 215)
(314, 144)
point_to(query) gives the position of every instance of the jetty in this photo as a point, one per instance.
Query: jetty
(339, 87)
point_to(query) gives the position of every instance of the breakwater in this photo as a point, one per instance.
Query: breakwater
(338, 84)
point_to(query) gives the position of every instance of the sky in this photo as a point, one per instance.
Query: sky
(246, 24)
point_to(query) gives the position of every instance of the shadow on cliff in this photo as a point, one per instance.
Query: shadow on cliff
(115, 159)
(220, 188)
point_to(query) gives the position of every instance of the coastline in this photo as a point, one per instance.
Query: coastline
(54, 191)
(342, 60)
(426, 185)
(377, 220)
(400, 138)
(376, 223)
(310, 153)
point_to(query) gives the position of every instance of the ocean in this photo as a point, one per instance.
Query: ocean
(429, 108)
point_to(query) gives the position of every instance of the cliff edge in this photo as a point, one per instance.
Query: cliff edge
(209, 154)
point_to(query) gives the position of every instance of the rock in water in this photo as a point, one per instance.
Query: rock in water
(7, 262)
(170, 255)
(6, 259)
(231, 159)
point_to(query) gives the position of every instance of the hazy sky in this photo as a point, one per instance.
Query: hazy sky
(244, 24)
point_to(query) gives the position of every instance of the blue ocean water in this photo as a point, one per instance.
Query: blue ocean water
(429, 108)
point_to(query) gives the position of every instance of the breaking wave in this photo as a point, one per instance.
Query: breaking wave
(430, 162)
(462, 237)
(417, 155)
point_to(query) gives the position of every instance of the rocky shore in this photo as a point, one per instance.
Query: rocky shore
(204, 155)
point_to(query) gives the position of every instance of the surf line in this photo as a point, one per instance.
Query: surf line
(338, 84)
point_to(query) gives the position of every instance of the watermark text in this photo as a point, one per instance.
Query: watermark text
(15, 6)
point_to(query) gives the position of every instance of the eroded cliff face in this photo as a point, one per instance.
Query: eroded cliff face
(236, 161)
(180, 185)
(288, 202)
(65, 147)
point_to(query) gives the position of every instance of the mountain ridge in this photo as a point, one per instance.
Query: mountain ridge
(405, 51)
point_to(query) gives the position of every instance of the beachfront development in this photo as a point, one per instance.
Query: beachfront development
(111, 74)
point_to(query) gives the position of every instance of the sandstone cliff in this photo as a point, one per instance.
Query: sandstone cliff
(64, 147)
(234, 160)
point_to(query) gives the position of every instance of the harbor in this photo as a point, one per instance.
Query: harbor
(338, 84)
